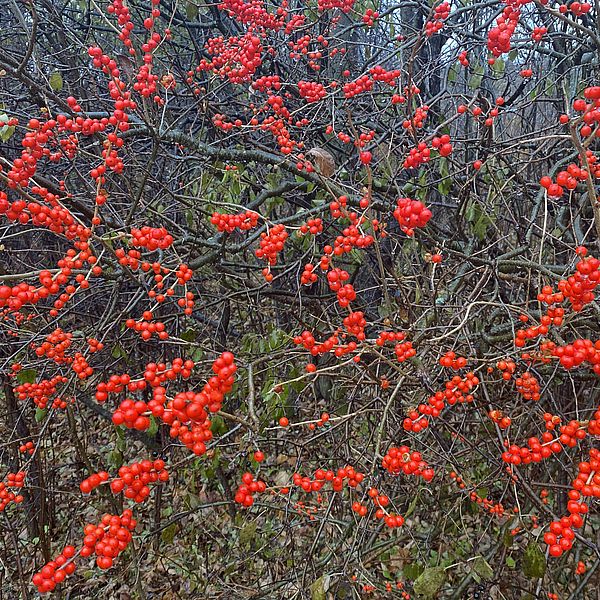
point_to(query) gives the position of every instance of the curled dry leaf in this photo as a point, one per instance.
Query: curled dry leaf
(322, 160)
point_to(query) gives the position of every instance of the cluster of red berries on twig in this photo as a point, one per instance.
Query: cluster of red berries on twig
(14, 481)
(248, 488)
(441, 13)
(560, 534)
(403, 460)
(151, 238)
(243, 221)
(411, 214)
(271, 244)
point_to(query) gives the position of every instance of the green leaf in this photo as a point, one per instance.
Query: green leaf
(445, 185)
(153, 427)
(121, 445)
(248, 533)
(276, 338)
(197, 354)
(412, 570)
(430, 582)
(475, 79)
(452, 75)
(498, 66)
(480, 228)
(189, 335)
(482, 492)
(217, 425)
(510, 562)
(411, 507)
(483, 569)
(191, 11)
(118, 352)
(56, 81)
(534, 561)
(40, 414)
(318, 590)
(26, 376)
(189, 218)
(168, 533)
(471, 212)
(115, 459)
(6, 132)
(512, 55)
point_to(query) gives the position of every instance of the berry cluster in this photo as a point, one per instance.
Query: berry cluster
(42, 391)
(235, 58)
(146, 327)
(370, 17)
(380, 501)
(15, 481)
(500, 419)
(55, 571)
(359, 86)
(587, 482)
(417, 121)
(347, 475)
(246, 490)
(451, 361)
(389, 336)
(243, 221)
(561, 533)
(344, 5)
(528, 386)
(338, 207)
(54, 346)
(94, 345)
(411, 214)
(108, 539)
(187, 413)
(575, 354)
(93, 481)
(442, 145)
(312, 226)
(494, 508)
(579, 287)
(417, 156)
(499, 37)
(355, 324)
(403, 460)
(351, 238)
(379, 73)
(441, 13)
(271, 244)
(566, 179)
(457, 391)
(311, 91)
(307, 340)
(27, 447)
(132, 414)
(551, 421)
(345, 292)
(537, 450)
(404, 351)
(577, 8)
(151, 238)
(267, 82)
(133, 479)
(308, 276)
(324, 419)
